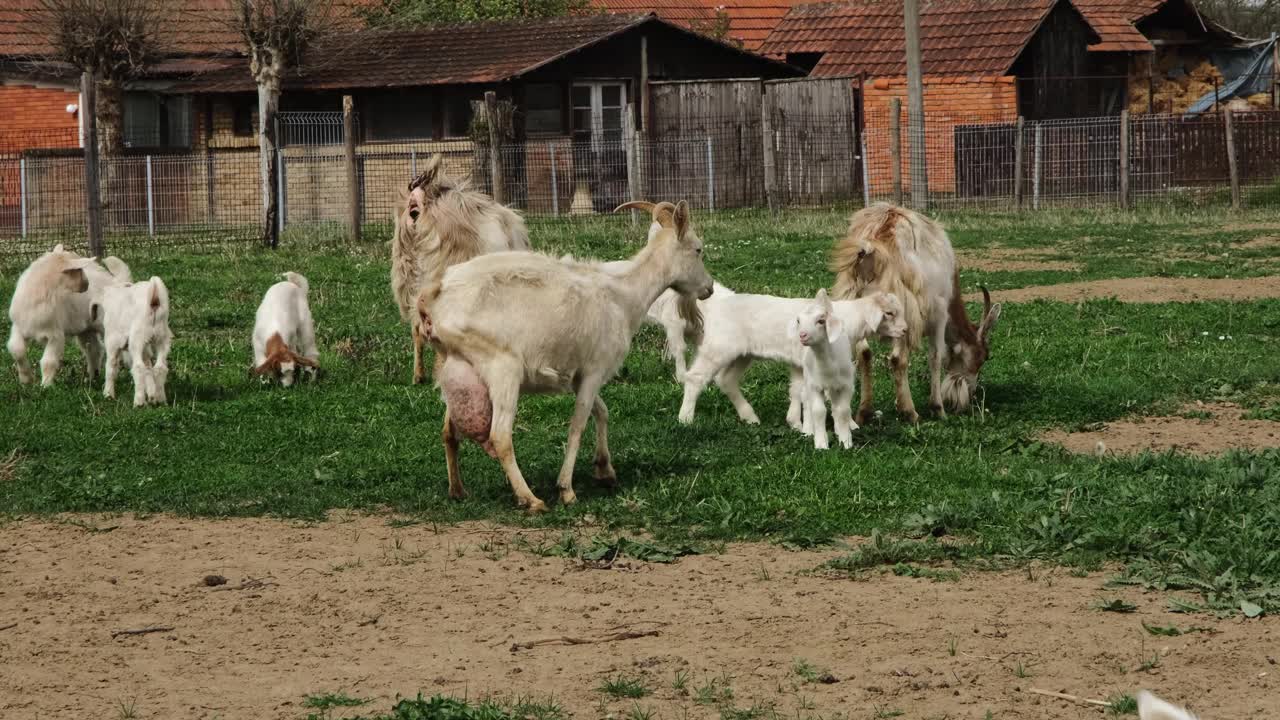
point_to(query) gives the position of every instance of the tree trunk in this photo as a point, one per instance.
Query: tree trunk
(110, 108)
(268, 104)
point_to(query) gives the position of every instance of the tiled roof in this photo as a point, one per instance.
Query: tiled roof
(199, 27)
(1117, 33)
(750, 21)
(445, 55)
(959, 37)
(1131, 10)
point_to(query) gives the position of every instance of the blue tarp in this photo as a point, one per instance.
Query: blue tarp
(1247, 71)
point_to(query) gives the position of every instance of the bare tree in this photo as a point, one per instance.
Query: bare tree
(1250, 18)
(277, 34)
(113, 40)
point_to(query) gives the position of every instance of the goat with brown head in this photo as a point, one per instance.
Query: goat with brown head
(969, 350)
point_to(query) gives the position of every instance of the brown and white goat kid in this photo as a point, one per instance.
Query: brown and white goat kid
(441, 222)
(54, 300)
(135, 321)
(893, 249)
(283, 322)
(514, 322)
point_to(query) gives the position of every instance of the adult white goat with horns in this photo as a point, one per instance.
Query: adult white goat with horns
(515, 322)
(442, 222)
(896, 250)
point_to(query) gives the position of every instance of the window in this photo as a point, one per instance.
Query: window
(243, 111)
(404, 115)
(597, 111)
(458, 115)
(157, 121)
(543, 104)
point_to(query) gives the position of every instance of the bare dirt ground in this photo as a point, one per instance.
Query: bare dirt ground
(1004, 259)
(358, 606)
(1148, 290)
(1225, 429)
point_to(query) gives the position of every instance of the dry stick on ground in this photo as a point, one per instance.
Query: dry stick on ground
(142, 631)
(614, 637)
(246, 584)
(1072, 698)
(10, 626)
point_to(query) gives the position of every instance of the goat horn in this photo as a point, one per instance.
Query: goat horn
(635, 205)
(986, 302)
(420, 180)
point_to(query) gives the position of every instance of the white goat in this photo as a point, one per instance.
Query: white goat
(442, 222)
(892, 249)
(514, 322)
(743, 328)
(1151, 707)
(827, 360)
(135, 319)
(283, 322)
(54, 300)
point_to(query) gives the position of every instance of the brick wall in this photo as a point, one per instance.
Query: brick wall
(948, 102)
(38, 114)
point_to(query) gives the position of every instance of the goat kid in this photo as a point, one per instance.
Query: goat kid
(135, 321)
(1151, 707)
(743, 328)
(283, 322)
(52, 301)
(513, 322)
(827, 362)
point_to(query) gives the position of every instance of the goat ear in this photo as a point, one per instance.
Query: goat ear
(58, 248)
(835, 327)
(681, 217)
(865, 266)
(989, 323)
(793, 328)
(76, 280)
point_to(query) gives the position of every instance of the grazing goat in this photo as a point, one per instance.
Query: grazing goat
(135, 319)
(283, 322)
(743, 328)
(892, 249)
(515, 322)
(441, 223)
(54, 300)
(827, 361)
(1151, 707)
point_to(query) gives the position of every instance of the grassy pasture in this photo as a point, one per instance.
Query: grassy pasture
(365, 438)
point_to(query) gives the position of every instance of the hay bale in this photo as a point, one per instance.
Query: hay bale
(1260, 101)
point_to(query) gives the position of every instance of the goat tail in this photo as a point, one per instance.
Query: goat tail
(426, 301)
(158, 297)
(118, 269)
(298, 280)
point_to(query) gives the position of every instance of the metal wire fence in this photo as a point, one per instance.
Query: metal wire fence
(212, 196)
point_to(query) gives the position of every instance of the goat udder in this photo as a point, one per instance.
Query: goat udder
(470, 410)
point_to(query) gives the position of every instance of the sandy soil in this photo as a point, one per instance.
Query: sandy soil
(356, 605)
(1225, 429)
(1003, 259)
(1147, 290)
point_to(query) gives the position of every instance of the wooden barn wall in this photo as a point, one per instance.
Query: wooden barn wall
(1052, 65)
(816, 134)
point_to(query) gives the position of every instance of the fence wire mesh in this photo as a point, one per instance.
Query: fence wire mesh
(212, 195)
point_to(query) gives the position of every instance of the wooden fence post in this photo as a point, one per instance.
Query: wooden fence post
(1018, 143)
(1036, 170)
(92, 189)
(495, 146)
(1124, 159)
(353, 175)
(895, 148)
(770, 160)
(1232, 165)
(629, 149)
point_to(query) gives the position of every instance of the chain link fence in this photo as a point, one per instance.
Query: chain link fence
(212, 196)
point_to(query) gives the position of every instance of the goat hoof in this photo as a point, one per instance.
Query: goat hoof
(457, 494)
(910, 416)
(567, 497)
(607, 479)
(938, 411)
(419, 379)
(865, 417)
(534, 506)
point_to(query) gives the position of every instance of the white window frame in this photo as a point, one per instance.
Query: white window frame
(597, 107)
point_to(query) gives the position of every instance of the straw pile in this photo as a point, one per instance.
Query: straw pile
(1179, 81)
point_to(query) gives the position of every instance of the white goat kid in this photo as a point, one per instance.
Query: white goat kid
(135, 320)
(514, 322)
(53, 300)
(1151, 707)
(827, 361)
(283, 323)
(743, 328)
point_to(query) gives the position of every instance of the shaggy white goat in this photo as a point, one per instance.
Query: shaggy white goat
(827, 360)
(54, 300)
(892, 249)
(441, 222)
(283, 322)
(1151, 707)
(135, 320)
(515, 322)
(743, 328)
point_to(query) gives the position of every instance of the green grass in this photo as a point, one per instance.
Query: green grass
(623, 687)
(440, 707)
(364, 438)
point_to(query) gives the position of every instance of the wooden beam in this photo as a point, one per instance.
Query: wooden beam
(915, 106)
(353, 174)
(92, 189)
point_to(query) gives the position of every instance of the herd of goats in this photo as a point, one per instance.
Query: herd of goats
(503, 319)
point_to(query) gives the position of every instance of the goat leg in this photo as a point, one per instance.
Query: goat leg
(450, 437)
(605, 475)
(866, 402)
(900, 361)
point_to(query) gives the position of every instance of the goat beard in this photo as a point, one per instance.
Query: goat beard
(956, 392)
